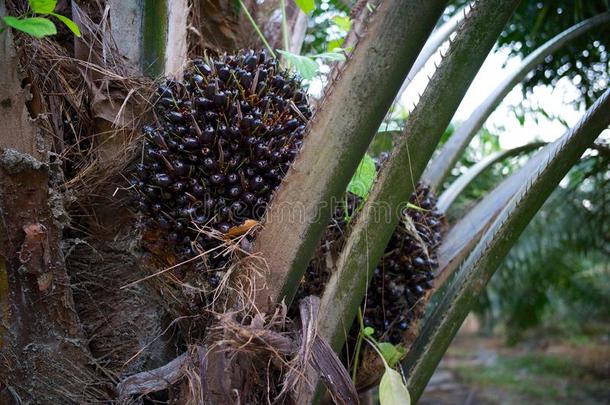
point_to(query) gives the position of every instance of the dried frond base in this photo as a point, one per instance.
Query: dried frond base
(127, 328)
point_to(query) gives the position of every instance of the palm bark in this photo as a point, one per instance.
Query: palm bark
(43, 355)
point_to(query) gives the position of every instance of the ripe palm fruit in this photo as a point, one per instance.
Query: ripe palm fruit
(395, 295)
(406, 271)
(222, 140)
(402, 276)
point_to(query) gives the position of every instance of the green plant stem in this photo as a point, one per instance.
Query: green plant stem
(256, 28)
(441, 165)
(461, 183)
(346, 215)
(465, 233)
(358, 346)
(285, 27)
(154, 37)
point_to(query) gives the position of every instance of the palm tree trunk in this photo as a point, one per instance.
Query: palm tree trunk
(43, 355)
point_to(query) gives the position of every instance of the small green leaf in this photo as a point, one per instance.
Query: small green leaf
(345, 23)
(43, 6)
(368, 331)
(330, 56)
(382, 142)
(416, 207)
(69, 23)
(35, 26)
(306, 5)
(305, 65)
(363, 179)
(520, 117)
(335, 44)
(391, 354)
(392, 390)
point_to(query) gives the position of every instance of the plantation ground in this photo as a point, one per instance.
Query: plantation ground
(481, 370)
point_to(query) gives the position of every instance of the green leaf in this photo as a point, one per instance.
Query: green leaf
(392, 390)
(382, 142)
(305, 65)
(391, 354)
(416, 207)
(363, 179)
(306, 5)
(368, 331)
(35, 26)
(345, 23)
(69, 23)
(520, 117)
(335, 44)
(43, 6)
(330, 56)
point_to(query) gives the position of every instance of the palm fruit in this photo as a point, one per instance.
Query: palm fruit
(402, 276)
(406, 270)
(220, 144)
(396, 296)
(322, 264)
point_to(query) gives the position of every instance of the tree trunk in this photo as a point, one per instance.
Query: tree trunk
(43, 356)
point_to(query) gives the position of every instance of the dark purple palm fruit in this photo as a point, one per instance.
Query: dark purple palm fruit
(402, 276)
(221, 142)
(406, 270)
(396, 294)
(396, 297)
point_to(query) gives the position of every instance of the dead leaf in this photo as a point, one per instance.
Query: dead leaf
(241, 229)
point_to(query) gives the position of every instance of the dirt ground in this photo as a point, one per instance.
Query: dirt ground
(479, 370)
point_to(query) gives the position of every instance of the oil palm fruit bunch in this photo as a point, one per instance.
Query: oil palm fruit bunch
(406, 270)
(221, 142)
(403, 275)
(396, 294)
